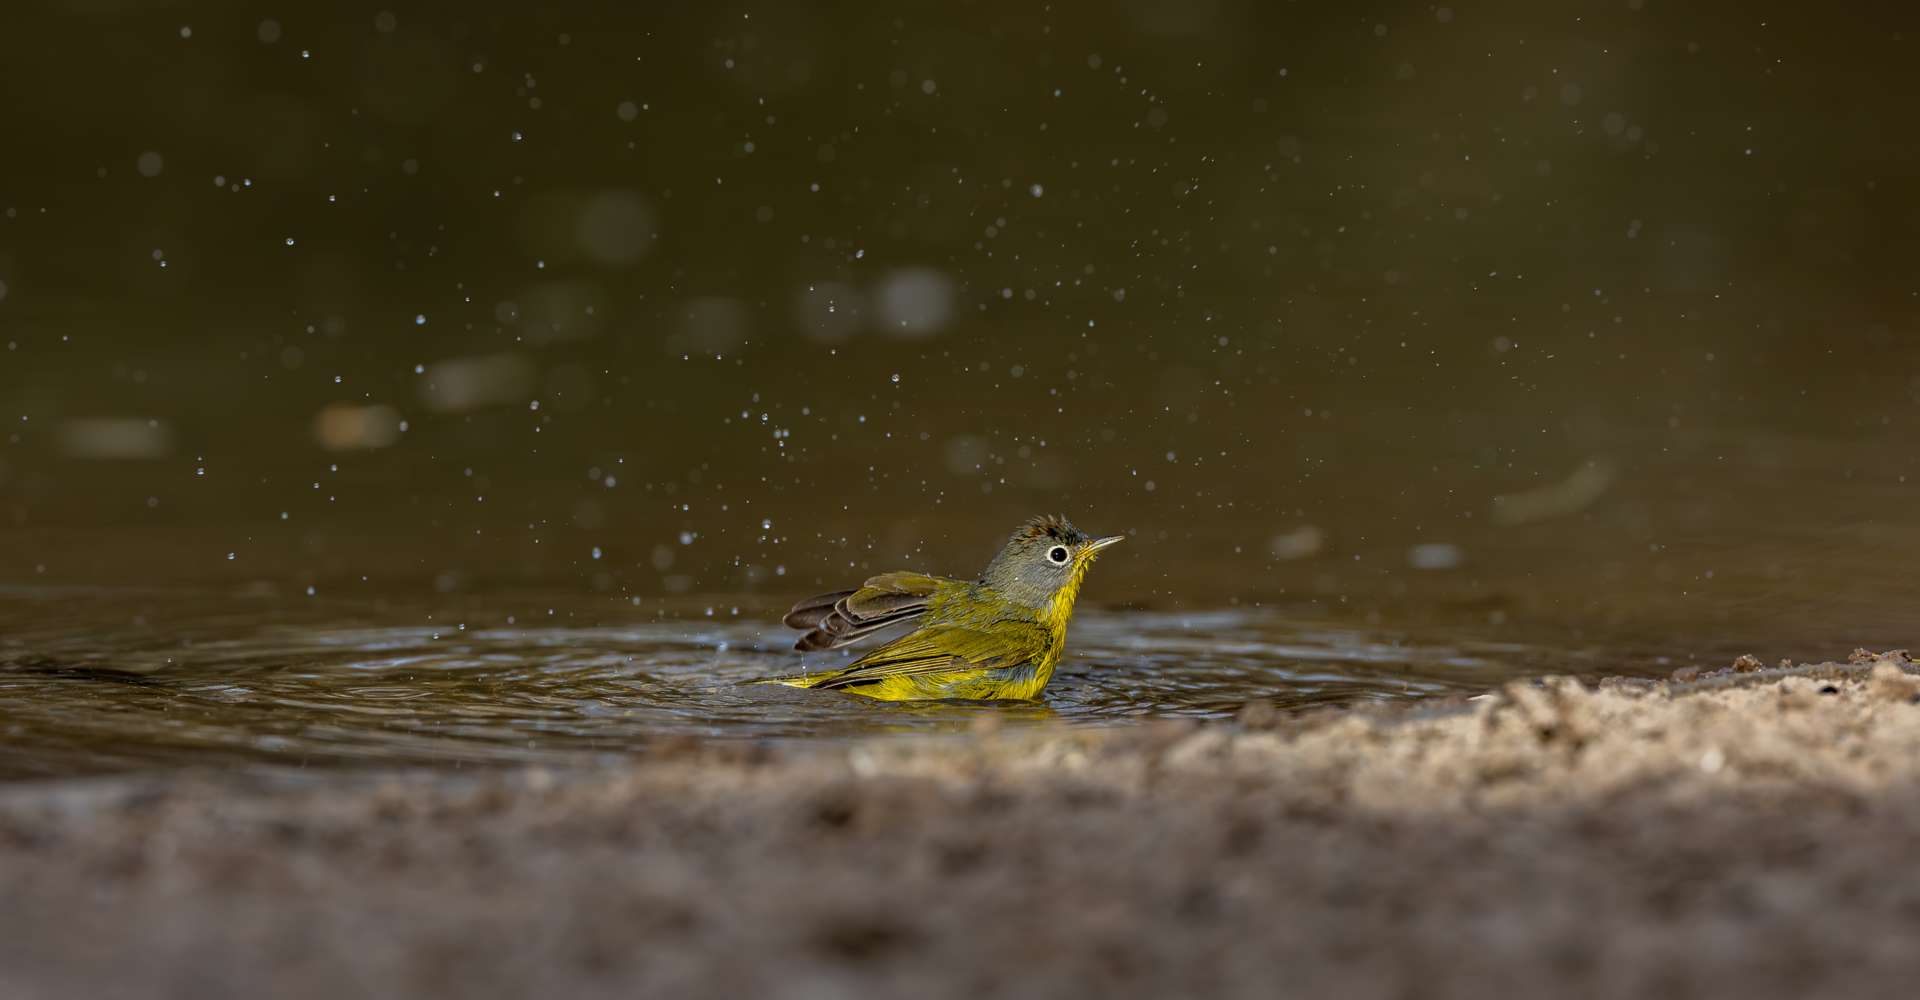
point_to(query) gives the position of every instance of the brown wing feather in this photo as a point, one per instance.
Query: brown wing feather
(813, 610)
(837, 630)
(845, 616)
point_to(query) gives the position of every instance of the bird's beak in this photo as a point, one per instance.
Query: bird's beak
(1101, 543)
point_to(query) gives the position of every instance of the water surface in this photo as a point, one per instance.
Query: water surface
(106, 681)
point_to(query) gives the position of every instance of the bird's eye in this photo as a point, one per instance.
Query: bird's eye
(1057, 555)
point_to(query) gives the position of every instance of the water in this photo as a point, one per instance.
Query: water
(108, 681)
(424, 654)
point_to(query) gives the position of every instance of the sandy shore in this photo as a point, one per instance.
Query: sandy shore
(1752, 833)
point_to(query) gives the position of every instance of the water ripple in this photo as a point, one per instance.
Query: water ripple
(168, 686)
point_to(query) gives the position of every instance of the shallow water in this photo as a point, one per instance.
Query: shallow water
(154, 681)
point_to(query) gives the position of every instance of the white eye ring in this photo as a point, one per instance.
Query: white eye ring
(1057, 555)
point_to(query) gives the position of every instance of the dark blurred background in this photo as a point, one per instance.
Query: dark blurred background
(1596, 314)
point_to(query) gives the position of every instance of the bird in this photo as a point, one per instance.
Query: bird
(997, 637)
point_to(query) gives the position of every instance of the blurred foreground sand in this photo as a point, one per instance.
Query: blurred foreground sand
(1750, 833)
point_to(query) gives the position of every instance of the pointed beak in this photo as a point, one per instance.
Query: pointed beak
(1101, 543)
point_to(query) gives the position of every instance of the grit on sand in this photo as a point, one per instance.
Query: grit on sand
(1752, 833)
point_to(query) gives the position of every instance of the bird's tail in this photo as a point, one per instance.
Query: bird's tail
(798, 680)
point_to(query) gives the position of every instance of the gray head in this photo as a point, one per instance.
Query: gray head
(1044, 563)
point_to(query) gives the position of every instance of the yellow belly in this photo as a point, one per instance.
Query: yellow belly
(1017, 684)
(1022, 683)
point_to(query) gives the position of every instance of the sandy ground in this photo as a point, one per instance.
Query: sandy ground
(1753, 833)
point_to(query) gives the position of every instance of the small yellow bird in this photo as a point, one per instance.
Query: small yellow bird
(998, 637)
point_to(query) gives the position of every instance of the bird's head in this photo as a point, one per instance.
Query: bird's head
(1044, 562)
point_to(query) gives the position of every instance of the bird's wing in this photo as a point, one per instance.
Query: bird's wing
(845, 616)
(941, 648)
